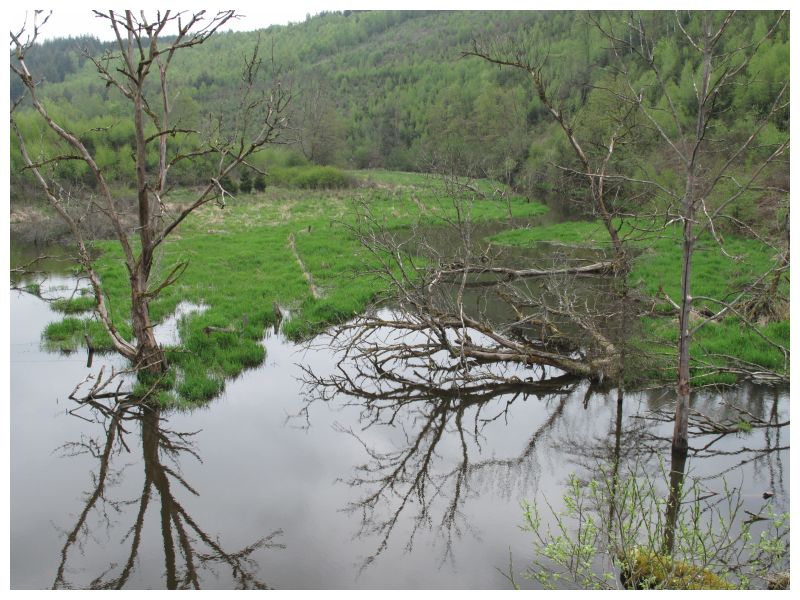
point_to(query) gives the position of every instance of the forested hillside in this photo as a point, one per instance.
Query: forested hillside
(393, 89)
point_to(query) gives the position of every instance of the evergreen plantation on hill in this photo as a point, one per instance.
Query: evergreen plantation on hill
(393, 89)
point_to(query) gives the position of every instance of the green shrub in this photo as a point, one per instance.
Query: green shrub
(260, 183)
(294, 159)
(322, 178)
(246, 182)
(577, 545)
(311, 177)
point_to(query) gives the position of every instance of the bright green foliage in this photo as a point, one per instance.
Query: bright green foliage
(390, 89)
(609, 532)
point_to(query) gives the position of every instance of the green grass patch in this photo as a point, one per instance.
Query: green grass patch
(33, 288)
(240, 264)
(70, 334)
(579, 233)
(656, 268)
(71, 306)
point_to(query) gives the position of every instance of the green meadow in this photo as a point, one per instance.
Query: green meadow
(240, 265)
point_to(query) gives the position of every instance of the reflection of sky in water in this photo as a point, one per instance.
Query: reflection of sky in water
(263, 471)
(167, 332)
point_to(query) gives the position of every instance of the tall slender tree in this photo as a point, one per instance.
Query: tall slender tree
(718, 165)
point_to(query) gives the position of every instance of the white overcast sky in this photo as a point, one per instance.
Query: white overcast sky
(77, 19)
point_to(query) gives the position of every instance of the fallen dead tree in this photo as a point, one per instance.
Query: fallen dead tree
(441, 321)
(604, 266)
(439, 340)
(306, 273)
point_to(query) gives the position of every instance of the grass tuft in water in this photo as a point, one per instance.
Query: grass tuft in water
(71, 306)
(69, 334)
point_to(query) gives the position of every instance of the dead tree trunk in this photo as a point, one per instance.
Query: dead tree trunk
(680, 436)
(149, 354)
(141, 49)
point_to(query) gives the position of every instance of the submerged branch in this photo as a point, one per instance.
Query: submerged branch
(511, 274)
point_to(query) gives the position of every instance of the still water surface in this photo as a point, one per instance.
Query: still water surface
(252, 490)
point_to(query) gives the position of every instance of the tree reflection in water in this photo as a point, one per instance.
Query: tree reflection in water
(190, 553)
(424, 482)
(696, 515)
(433, 408)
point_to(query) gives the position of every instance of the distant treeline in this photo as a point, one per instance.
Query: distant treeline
(392, 89)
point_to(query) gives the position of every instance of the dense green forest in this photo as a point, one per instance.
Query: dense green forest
(393, 89)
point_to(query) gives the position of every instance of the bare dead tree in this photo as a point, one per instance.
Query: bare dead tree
(144, 51)
(596, 157)
(716, 169)
(464, 335)
(321, 130)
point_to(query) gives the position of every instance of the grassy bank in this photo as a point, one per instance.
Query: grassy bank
(240, 265)
(656, 271)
